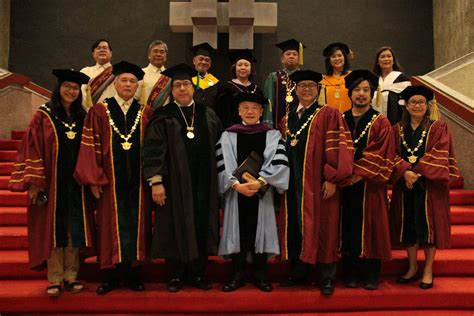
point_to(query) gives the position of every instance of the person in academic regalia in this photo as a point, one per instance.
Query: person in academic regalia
(154, 90)
(206, 85)
(110, 163)
(424, 166)
(249, 224)
(391, 82)
(242, 73)
(179, 163)
(59, 223)
(100, 85)
(320, 154)
(333, 90)
(279, 88)
(364, 226)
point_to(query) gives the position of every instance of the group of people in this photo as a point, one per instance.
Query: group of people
(116, 142)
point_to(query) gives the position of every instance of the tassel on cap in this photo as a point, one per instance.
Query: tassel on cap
(143, 93)
(270, 106)
(378, 102)
(300, 54)
(322, 95)
(434, 111)
(88, 97)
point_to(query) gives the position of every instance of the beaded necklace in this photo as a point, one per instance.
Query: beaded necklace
(70, 134)
(412, 158)
(126, 145)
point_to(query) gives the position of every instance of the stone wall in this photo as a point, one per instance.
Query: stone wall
(4, 32)
(453, 30)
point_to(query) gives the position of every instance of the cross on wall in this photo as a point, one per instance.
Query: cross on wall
(240, 18)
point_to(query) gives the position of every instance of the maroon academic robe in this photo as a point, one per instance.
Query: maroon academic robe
(375, 167)
(95, 167)
(328, 156)
(438, 167)
(37, 164)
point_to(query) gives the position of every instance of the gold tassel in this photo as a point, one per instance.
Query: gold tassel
(270, 106)
(143, 93)
(300, 54)
(88, 97)
(322, 96)
(378, 102)
(434, 111)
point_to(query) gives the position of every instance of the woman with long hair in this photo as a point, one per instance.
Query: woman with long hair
(242, 71)
(58, 224)
(333, 89)
(423, 168)
(391, 82)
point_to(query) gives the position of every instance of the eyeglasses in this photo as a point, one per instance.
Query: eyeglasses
(185, 85)
(69, 87)
(303, 86)
(415, 102)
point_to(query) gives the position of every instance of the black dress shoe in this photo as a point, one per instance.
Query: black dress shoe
(292, 281)
(201, 283)
(136, 286)
(402, 280)
(426, 286)
(106, 287)
(263, 285)
(233, 285)
(371, 285)
(327, 287)
(174, 285)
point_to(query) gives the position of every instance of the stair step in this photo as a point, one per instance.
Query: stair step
(462, 214)
(14, 237)
(29, 297)
(4, 182)
(8, 198)
(6, 168)
(449, 262)
(8, 155)
(9, 144)
(461, 197)
(13, 216)
(18, 134)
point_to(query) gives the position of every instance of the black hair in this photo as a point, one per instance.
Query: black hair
(96, 44)
(327, 61)
(356, 82)
(56, 106)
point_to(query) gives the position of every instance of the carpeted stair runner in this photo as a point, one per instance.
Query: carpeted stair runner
(22, 290)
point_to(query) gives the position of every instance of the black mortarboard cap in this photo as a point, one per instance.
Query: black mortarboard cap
(204, 49)
(343, 47)
(410, 91)
(237, 55)
(71, 75)
(253, 97)
(301, 75)
(362, 73)
(126, 67)
(180, 72)
(290, 44)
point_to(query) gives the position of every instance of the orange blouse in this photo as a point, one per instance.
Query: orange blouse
(336, 93)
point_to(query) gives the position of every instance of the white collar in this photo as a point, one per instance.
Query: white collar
(184, 106)
(156, 69)
(106, 65)
(121, 101)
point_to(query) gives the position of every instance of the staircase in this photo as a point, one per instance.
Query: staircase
(23, 290)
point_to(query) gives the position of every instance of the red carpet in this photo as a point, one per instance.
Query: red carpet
(22, 290)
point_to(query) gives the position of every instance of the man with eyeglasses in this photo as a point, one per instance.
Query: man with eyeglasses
(320, 154)
(100, 86)
(110, 164)
(206, 84)
(179, 164)
(365, 231)
(155, 89)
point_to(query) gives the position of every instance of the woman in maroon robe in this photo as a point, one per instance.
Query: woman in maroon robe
(424, 166)
(58, 223)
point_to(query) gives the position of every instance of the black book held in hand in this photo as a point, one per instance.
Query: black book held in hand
(250, 167)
